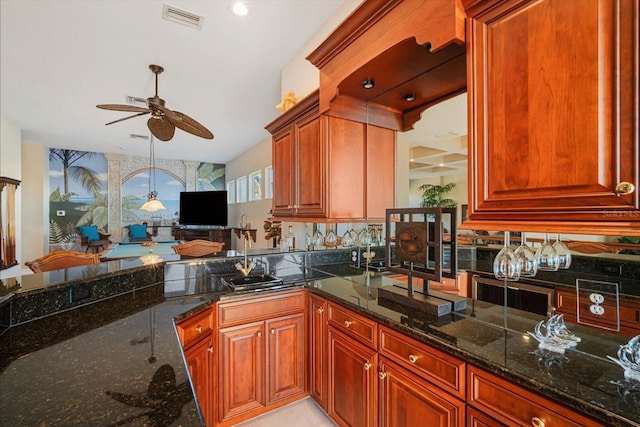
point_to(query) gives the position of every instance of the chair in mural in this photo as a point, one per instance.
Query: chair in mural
(62, 259)
(198, 248)
(93, 239)
(138, 233)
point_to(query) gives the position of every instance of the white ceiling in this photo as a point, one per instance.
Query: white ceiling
(59, 58)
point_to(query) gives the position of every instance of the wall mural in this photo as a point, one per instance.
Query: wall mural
(79, 193)
(78, 182)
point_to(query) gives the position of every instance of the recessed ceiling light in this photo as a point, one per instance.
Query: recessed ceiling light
(240, 9)
(368, 84)
(410, 97)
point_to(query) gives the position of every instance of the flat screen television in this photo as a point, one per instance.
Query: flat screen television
(206, 208)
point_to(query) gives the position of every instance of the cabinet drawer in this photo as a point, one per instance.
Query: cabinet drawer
(353, 324)
(258, 308)
(444, 370)
(513, 405)
(194, 327)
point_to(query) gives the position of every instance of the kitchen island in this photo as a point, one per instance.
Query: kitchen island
(117, 360)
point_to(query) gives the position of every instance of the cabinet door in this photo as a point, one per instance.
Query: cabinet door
(285, 357)
(407, 400)
(283, 173)
(199, 358)
(381, 171)
(352, 381)
(318, 350)
(310, 169)
(241, 375)
(553, 96)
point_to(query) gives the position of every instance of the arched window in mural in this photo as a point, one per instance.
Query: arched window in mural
(135, 191)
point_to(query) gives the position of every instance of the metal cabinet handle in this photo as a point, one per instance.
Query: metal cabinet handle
(320, 310)
(537, 422)
(210, 349)
(382, 375)
(273, 331)
(348, 323)
(624, 188)
(259, 334)
(367, 366)
(413, 358)
(199, 329)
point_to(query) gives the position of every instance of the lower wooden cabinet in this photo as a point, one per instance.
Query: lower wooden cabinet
(512, 405)
(262, 355)
(198, 344)
(352, 381)
(407, 400)
(200, 362)
(318, 350)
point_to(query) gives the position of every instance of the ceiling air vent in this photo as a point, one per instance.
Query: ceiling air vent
(172, 13)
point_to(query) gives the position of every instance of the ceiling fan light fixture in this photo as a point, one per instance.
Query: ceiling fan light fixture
(368, 83)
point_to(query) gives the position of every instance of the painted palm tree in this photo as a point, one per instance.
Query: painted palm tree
(208, 174)
(88, 178)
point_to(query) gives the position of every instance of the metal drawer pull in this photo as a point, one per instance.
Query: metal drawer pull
(537, 422)
(382, 375)
(624, 188)
(348, 323)
(259, 334)
(367, 366)
(199, 329)
(413, 358)
(210, 349)
(273, 331)
(320, 310)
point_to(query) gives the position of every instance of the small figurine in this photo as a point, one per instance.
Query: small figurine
(288, 101)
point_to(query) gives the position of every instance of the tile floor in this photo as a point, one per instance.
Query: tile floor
(303, 413)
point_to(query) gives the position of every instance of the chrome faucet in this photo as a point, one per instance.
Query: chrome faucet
(246, 269)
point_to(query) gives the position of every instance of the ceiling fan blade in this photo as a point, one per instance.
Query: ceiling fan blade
(188, 124)
(124, 107)
(161, 127)
(127, 118)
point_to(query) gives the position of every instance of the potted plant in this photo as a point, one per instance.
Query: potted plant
(432, 196)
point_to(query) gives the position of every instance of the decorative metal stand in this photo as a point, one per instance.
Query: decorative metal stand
(421, 242)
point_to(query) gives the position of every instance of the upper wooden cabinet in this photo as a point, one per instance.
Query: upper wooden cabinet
(553, 94)
(407, 47)
(329, 167)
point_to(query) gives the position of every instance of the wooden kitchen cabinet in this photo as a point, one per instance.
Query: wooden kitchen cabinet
(352, 381)
(197, 339)
(407, 400)
(330, 167)
(318, 350)
(509, 404)
(262, 354)
(553, 95)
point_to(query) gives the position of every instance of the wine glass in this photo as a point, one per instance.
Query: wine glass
(347, 238)
(527, 259)
(318, 238)
(547, 256)
(564, 253)
(330, 239)
(364, 238)
(506, 265)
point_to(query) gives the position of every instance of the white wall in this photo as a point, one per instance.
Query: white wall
(11, 167)
(35, 201)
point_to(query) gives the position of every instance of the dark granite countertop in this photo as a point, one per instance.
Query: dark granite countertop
(104, 362)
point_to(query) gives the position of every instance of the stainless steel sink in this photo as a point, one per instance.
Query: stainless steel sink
(252, 281)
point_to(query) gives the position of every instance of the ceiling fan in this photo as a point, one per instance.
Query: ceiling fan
(163, 122)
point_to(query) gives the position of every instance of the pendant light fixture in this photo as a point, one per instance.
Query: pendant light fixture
(152, 204)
